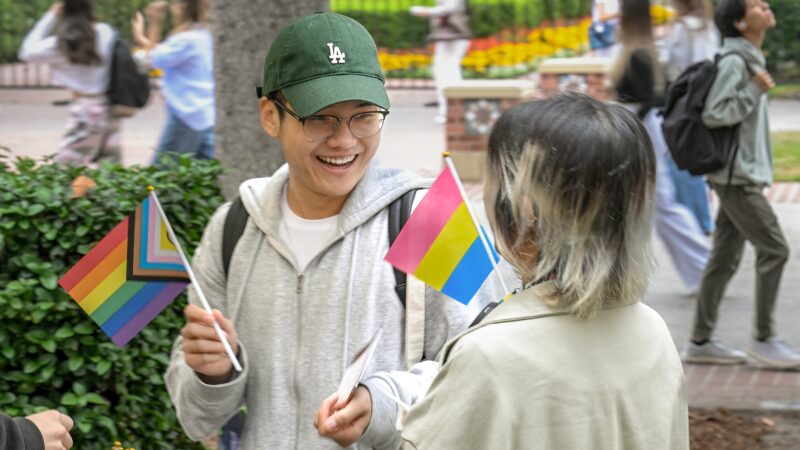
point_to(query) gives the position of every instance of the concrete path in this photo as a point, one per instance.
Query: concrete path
(31, 126)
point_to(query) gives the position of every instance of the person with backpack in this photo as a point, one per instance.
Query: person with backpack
(738, 97)
(79, 52)
(306, 286)
(693, 37)
(639, 82)
(187, 61)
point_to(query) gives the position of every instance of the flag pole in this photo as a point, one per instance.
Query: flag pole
(188, 267)
(474, 218)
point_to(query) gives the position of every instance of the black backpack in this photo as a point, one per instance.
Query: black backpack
(694, 146)
(128, 87)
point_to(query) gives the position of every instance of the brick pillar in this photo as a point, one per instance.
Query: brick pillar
(473, 106)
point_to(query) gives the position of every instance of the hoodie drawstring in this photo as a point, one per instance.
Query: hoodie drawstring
(349, 297)
(236, 306)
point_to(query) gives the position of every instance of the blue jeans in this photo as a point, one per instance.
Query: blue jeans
(178, 137)
(692, 192)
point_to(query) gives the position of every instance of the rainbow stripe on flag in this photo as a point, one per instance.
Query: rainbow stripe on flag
(440, 245)
(130, 276)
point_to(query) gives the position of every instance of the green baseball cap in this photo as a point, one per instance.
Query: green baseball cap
(323, 59)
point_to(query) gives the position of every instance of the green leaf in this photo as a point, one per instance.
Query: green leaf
(103, 367)
(84, 328)
(79, 388)
(85, 427)
(69, 399)
(35, 209)
(82, 230)
(49, 345)
(91, 397)
(9, 352)
(64, 332)
(75, 362)
(49, 280)
(46, 374)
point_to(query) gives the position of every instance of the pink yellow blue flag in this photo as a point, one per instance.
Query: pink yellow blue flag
(130, 276)
(440, 244)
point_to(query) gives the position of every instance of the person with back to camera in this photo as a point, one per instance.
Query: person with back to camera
(573, 360)
(739, 96)
(186, 58)
(78, 50)
(693, 37)
(639, 82)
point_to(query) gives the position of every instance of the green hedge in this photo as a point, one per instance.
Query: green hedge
(51, 353)
(782, 44)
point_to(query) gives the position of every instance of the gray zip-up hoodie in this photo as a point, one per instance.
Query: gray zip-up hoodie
(735, 98)
(298, 331)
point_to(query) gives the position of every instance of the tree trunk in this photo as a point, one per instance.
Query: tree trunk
(243, 31)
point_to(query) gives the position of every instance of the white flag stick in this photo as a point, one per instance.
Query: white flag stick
(475, 222)
(193, 279)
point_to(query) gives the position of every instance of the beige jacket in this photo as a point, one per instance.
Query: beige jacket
(533, 377)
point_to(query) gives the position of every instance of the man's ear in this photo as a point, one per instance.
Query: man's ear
(270, 119)
(741, 25)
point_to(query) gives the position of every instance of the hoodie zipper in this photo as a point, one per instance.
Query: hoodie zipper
(298, 337)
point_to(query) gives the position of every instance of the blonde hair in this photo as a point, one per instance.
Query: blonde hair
(570, 192)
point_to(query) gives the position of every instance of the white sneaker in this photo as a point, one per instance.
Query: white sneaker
(774, 353)
(713, 352)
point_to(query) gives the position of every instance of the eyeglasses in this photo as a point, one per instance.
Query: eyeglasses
(317, 128)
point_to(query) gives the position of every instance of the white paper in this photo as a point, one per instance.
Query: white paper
(353, 374)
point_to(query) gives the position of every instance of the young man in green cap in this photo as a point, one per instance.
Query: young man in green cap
(307, 286)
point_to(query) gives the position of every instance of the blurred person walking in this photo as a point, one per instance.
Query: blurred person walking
(450, 33)
(693, 37)
(186, 58)
(78, 50)
(738, 97)
(639, 81)
(603, 30)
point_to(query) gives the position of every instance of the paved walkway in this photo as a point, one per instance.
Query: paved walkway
(30, 125)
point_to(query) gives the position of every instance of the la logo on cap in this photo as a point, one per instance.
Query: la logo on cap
(336, 55)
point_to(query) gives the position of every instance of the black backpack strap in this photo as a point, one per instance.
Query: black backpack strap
(235, 221)
(399, 210)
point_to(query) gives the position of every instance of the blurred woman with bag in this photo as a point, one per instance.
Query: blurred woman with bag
(693, 37)
(640, 82)
(78, 50)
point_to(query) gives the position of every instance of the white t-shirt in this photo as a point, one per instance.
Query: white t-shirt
(306, 238)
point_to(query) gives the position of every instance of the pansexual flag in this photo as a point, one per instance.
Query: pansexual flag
(440, 245)
(130, 276)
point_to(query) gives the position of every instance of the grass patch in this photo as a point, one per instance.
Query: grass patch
(786, 155)
(786, 91)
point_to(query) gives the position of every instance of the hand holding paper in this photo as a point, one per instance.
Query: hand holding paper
(353, 374)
